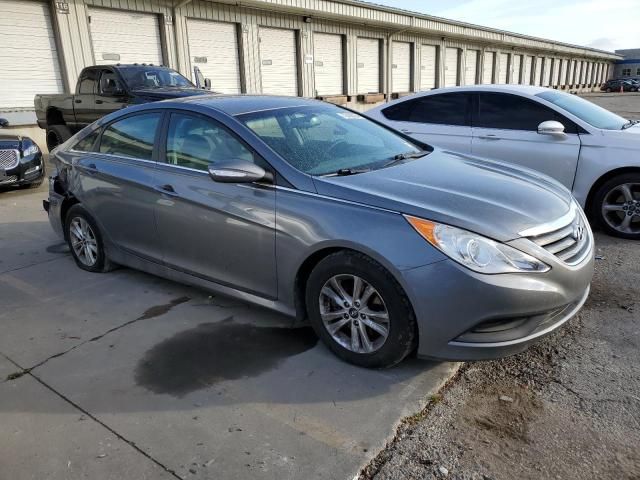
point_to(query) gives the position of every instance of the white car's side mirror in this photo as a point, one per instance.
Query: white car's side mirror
(551, 127)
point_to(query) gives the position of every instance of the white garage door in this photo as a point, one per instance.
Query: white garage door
(526, 70)
(547, 72)
(516, 70)
(213, 48)
(489, 67)
(538, 74)
(328, 64)
(368, 65)
(27, 54)
(471, 67)
(563, 73)
(401, 67)
(278, 65)
(504, 68)
(125, 37)
(428, 69)
(452, 59)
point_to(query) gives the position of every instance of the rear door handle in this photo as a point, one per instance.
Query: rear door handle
(99, 102)
(166, 189)
(78, 101)
(489, 137)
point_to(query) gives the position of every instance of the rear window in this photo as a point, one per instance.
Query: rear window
(443, 109)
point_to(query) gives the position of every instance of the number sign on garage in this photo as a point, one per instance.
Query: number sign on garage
(213, 48)
(368, 65)
(125, 37)
(328, 64)
(27, 54)
(401, 67)
(452, 60)
(428, 67)
(278, 65)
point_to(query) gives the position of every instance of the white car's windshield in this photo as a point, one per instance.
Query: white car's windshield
(583, 109)
(323, 140)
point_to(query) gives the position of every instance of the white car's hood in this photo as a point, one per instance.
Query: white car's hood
(629, 138)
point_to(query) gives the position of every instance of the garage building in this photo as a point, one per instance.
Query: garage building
(348, 52)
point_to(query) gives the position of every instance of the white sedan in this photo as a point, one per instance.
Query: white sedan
(592, 151)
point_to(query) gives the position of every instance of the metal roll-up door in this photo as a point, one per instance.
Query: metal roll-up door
(213, 48)
(428, 67)
(488, 70)
(471, 67)
(547, 72)
(526, 70)
(515, 71)
(125, 37)
(504, 68)
(452, 59)
(563, 73)
(328, 66)
(589, 74)
(582, 73)
(278, 65)
(27, 54)
(537, 76)
(368, 65)
(572, 73)
(401, 67)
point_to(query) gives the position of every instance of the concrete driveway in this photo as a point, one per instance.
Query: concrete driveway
(128, 376)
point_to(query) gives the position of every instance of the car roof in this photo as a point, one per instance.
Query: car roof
(523, 89)
(239, 104)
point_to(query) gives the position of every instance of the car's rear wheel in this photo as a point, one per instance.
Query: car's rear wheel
(56, 135)
(616, 206)
(359, 310)
(85, 241)
(608, 90)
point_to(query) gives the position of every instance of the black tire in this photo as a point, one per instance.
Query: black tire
(56, 135)
(608, 90)
(102, 263)
(402, 335)
(601, 196)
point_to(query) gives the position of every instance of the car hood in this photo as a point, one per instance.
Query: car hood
(491, 198)
(630, 135)
(10, 142)
(170, 92)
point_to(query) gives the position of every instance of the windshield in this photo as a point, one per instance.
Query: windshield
(153, 77)
(322, 139)
(583, 109)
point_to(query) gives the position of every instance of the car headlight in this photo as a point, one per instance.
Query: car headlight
(474, 251)
(30, 150)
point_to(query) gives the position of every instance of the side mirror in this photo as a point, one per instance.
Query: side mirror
(237, 171)
(207, 83)
(551, 127)
(4, 123)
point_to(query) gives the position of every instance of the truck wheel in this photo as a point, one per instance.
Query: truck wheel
(616, 206)
(57, 134)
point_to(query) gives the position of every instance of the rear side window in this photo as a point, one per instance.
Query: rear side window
(512, 112)
(132, 136)
(87, 82)
(444, 109)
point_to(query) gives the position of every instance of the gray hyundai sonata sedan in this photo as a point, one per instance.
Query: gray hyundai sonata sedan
(385, 245)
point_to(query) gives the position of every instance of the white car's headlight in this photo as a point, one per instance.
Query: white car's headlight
(474, 251)
(30, 150)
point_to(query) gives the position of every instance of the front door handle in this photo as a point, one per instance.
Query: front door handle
(78, 101)
(489, 137)
(99, 102)
(167, 189)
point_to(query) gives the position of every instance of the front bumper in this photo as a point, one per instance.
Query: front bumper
(463, 315)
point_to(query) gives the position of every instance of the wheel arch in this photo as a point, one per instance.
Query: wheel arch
(601, 181)
(54, 117)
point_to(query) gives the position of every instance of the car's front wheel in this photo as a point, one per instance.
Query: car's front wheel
(616, 206)
(359, 310)
(85, 241)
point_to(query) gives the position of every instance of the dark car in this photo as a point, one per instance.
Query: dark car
(21, 162)
(104, 89)
(615, 84)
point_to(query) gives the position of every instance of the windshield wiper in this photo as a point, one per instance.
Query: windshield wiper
(630, 123)
(401, 157)
(343, 172)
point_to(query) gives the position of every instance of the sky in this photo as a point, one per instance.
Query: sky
(606, 25)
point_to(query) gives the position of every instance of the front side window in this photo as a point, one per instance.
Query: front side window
(444, 109)
(132, 136)
(585, 110)
(512, 112)
(323, 139)
(109, 83)
(196, 142)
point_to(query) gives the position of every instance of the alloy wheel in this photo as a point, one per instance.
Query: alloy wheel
(83, 241)
(621, 208)
(354, 313)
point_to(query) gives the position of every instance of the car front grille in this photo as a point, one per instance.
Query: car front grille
(9, 159)
(570, 243)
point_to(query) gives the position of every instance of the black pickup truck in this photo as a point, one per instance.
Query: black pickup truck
(104, 89)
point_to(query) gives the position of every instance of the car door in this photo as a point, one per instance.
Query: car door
(505, 127)
(222, 232)
(117, 183)
(438, 119)
(110, 94)
(84, 99)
